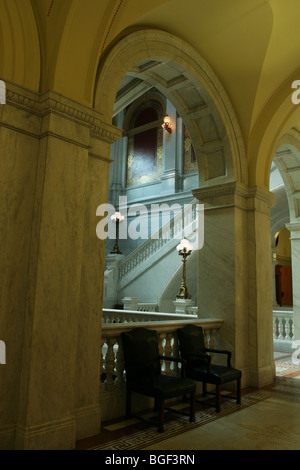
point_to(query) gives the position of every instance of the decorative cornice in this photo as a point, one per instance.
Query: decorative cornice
(27, 101)
(51, 102)
(294, 227)
(233, 193)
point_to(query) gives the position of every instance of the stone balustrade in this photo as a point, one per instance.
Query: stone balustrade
(141, 315)
(112, 375)
(283, 329)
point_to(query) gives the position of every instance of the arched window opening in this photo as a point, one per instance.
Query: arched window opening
(145, 144)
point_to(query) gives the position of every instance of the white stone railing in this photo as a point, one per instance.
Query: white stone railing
(147, 307)
(181, 223)
(112, 374)
(132, 316)
(132, 303)
(283, 325)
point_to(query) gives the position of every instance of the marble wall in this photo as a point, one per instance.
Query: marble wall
(54, 174)
(234, 275)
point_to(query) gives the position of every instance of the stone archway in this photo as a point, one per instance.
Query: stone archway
(231, 283)
(163, 60)
(287, 160)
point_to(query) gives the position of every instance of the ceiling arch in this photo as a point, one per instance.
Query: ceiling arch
(151, 58)
(287, 160)
(279, 117)
(19, 44)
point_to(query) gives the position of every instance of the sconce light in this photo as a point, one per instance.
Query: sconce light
(167, 124)
(117, 217)
(184, 249)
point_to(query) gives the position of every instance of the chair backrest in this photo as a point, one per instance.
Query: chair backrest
(191, 340)
(140, 348)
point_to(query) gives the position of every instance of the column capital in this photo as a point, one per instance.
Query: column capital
(294, 229)
(236, 194)
(41, 105)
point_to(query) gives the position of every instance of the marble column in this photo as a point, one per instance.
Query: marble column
(55, 170)
(234, 275)
(19, 143)
(294, 229)
(274, 263)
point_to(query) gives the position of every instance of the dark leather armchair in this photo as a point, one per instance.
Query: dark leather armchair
(143, 373)
(199, 367)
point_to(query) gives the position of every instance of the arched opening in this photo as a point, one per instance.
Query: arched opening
(284, 180)
(202, 151)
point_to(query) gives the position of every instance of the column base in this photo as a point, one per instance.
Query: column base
(59, 434)
(88, 421)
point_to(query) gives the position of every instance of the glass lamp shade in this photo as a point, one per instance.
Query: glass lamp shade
(117, 216)
(167, 120)
(184, 245)
(167, 124)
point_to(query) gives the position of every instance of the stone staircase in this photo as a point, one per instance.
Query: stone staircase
(148, 270)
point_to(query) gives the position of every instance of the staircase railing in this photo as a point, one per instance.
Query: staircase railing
(183, 224)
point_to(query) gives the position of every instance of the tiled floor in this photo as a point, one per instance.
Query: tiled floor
(271, 423)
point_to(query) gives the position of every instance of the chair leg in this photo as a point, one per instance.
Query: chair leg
(192, 407)
(218, 398)
(204, 393)
(238, 391)
(161, 415)
(128, 403)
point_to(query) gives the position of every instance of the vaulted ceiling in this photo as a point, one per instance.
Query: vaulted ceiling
(251, 45)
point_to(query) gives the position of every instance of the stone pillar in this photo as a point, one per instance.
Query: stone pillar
(19, 143)
(294, 229)
(274, 263)
(111, 280)
(170, 176)
(234, 275)
(130, 303)
(183, 306)
(58, 171)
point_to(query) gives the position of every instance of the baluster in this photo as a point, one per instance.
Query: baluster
(284, 329)
(161, 348)
(119, 366)
(274, 328)
(210, 339)
(110, 365)
(175, 347)
(280, 328)
(168, 352)
(102, 364)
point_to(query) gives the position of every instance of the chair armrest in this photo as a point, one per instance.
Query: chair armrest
(175, 359)
(204, 356)
(221, 351)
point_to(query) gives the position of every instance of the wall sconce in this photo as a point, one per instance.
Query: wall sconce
(167, 124)
(117, 217)
(184, 249)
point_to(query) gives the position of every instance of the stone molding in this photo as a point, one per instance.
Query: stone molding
(235, 194)
(60, 434)
(294, 228)
(51, 102)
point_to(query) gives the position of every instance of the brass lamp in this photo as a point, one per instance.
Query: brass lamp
(184, 249)
(117, 217)
(167, 124)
